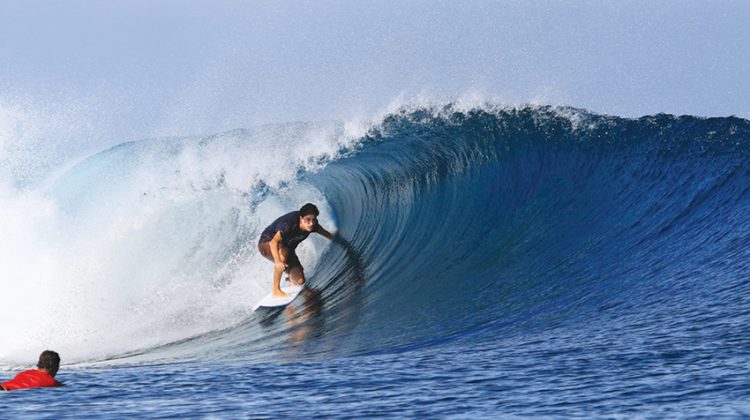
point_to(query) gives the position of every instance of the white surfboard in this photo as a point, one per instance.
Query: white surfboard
(270, 301)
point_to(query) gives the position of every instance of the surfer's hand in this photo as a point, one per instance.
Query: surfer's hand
(280, 265)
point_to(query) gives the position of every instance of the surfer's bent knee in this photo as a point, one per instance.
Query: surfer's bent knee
(265, 250)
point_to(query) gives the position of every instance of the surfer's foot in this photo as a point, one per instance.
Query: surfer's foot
(280, 293)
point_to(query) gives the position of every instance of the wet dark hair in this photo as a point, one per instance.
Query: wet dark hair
(49, 361)
(308, 208)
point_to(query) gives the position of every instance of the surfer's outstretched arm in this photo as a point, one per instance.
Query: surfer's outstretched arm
(326, 234)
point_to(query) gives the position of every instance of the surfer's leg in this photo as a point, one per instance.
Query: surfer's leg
(265, 250)
(277, 283)
(297, 275)
(295, 269)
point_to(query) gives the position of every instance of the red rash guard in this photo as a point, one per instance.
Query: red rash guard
(31, 379)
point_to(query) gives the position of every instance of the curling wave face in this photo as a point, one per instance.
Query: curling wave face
(489, 224)
(459, 225)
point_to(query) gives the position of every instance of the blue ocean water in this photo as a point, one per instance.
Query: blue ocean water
(536, 261)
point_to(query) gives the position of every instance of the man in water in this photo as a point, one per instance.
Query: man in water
(280, 239)
(41, 377)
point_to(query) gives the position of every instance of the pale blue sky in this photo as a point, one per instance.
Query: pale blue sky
(141, 68)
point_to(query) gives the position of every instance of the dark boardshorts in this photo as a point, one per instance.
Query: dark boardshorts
(291, 259)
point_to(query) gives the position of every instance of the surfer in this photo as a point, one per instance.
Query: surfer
(279, 241)
(41, 377)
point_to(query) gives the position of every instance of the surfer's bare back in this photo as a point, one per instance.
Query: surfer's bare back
(279, 241)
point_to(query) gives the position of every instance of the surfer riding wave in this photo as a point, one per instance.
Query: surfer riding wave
(279, 241)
